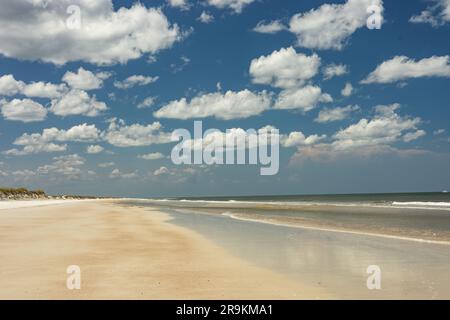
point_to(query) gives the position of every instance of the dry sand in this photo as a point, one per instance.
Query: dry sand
(124, 253)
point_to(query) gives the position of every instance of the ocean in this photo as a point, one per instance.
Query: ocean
(410, 216)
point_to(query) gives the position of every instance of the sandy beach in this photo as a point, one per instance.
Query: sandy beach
(124, 253)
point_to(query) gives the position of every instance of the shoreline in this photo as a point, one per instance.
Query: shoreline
(124, 253)
(318, 228)
(408, 224)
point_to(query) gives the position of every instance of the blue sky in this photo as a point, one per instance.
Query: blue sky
(390, 133)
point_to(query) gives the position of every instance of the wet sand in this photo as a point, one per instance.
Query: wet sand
(125, 253)
(333, 261)
(431, 224)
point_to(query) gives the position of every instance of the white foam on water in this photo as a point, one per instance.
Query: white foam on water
(395, 205)
(422, 203)
(361, 233)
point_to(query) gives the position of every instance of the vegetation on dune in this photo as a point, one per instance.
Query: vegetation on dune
(23, 193)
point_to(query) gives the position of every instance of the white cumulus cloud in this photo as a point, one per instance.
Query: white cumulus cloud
(284, 68)
(335, 114)
(303, 99)
(270, 27)
(9, 86)
(117, 174)
(180, 4)
(92, 31)
(435, 15)
(385, 128)
(330, 25)
(50, 139)
(236, 5)
(106, 164)
(402, 68)
(347, 90)
(77, 102)
(411, 136)
(205, 17)
(68, 166)
(134, 80)
(161, 171)
(94, 149)
(151, 156)
(297, 138)
(25, 110)
(85, 79)
(334, 70)
(230, 105)
(368, 137)
(146, 103)
(136, 135)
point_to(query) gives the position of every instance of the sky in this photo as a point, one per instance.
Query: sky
(90, 92)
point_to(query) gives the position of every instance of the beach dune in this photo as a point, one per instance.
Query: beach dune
(124, 253)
